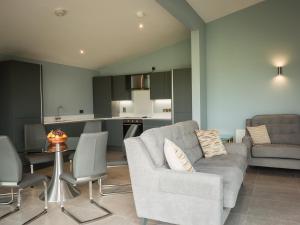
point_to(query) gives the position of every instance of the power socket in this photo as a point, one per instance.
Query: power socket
(81, 111)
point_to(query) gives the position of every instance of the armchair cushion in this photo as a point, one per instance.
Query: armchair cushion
(283, 151)
(232, 179)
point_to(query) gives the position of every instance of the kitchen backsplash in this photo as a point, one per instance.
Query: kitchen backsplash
(142, 105)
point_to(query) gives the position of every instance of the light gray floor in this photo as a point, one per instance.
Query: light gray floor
(268, 197)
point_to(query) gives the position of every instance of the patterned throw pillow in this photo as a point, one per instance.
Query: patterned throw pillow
(211, 143)
(176, 158)
(259, 134)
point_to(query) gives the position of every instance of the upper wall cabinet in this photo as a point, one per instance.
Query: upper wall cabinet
(102, 96)
(121, 88)
(160, 85)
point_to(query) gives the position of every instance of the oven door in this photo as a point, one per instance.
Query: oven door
(127, 125)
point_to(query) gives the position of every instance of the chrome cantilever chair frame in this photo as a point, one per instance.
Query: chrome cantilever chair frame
(13, 185)
(10, 194)
(89, 165)
(91, 199)
(130, 133)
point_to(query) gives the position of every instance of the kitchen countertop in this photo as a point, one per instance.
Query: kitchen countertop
(72, 119)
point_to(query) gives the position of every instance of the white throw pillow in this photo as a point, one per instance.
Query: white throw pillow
(176, 158)
(211, 143)
(259, 134)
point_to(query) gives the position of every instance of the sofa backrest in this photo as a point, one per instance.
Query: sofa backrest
(182, 134)
(282, 128)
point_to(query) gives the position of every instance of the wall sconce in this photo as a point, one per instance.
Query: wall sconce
(279, 71)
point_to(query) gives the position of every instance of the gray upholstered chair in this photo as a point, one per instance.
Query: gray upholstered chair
(89, 164)
(131, 132)
(35, 143)
(92, 126)
(11, 176)
(89, 127)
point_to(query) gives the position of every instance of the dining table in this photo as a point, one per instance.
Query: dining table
(58, 189)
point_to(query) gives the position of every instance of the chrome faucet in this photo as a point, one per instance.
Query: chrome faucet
(59, 108)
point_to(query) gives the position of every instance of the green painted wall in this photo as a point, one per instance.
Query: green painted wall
(71, 87)
(242, 50)
(171, 57)
(64, 85)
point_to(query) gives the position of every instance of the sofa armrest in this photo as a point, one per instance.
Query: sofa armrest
(247, 140)
(236, 148)
(195, 184)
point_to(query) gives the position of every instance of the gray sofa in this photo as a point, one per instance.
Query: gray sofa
(204, 197)
(284, 150)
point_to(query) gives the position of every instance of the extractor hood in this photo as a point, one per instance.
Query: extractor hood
(140, 82)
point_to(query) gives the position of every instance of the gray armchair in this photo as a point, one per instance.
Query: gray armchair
(11, 175)
(89, 164)
(35, 143)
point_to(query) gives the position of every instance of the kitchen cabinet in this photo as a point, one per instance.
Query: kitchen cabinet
(121, 88)
(182, 95)
(20, 99)
(102, 96)
(152, 123)
(115, 132)
(160, 85)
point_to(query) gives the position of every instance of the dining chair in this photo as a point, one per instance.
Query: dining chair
(89, 165)
(11, 176)
(131, 132)
(89, 127)
(35, 144)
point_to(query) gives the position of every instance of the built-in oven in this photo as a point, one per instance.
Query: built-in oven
(128, 122)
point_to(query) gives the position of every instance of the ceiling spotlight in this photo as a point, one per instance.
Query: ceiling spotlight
(60, 12)
(141, 26)
(140, 14)
(82, 52)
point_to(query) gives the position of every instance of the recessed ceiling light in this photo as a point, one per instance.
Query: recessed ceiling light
(141, 26)
(60, 12)
(140, 14)
(82, 52)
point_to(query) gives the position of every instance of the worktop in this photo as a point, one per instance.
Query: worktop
(85, 118)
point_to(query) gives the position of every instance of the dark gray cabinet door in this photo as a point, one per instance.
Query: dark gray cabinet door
(152, 123)
(121, 89)
(182, 95)
(26, 89)
(115, 132)
(102, 96)
(20, 99)
(160, 85)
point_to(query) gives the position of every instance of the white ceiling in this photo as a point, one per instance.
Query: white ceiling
(106, 29)
(210, 10)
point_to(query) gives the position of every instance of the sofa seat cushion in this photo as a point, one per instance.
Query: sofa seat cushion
(232, 179)
(228, 160)
(276, 151)
(182, 134)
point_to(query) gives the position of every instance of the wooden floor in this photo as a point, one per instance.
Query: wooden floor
(268, 197)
